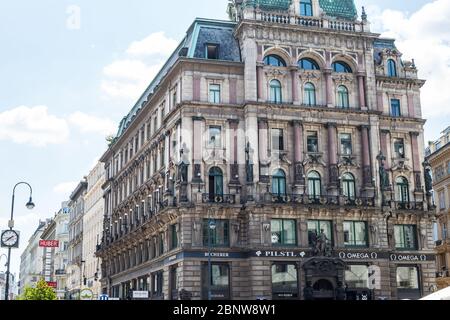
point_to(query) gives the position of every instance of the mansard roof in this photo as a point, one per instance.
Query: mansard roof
(343, 9)
(200, 33)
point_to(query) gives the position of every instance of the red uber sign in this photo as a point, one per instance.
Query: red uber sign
(49, 243)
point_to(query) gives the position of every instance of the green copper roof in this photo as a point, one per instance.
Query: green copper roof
(344, 9)
(270, 4)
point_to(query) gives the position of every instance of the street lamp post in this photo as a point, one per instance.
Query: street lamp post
(29, 205)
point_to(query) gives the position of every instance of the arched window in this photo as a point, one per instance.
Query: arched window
(275, 91)
(306, 8)
(402, 190)
(314, 185)
(341, 67)
(274, 60)
(308, 64)
(215, 183)
(348, 186)
(343, 100)
(309, 96)
(392, 68)
(279, 183)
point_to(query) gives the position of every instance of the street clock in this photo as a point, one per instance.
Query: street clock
(9, 239)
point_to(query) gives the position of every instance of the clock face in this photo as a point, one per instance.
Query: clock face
(10, 238)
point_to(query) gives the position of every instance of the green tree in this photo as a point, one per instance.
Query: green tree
(42, 291)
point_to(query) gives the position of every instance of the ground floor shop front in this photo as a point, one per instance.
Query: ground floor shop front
(280, 275)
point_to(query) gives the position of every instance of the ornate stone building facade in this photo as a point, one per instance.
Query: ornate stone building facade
(438, 159)
(275, 156)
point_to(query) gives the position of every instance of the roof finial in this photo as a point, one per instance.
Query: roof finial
(364, 15)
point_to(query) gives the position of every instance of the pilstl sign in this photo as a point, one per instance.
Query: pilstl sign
(52, 284)
(49, 243)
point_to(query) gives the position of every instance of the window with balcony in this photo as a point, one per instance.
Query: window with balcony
(405, 237)
(392, 68)
(343, 100)
(275, 92)
(316, 227)
(314, 185)
(212, 51)
(312, 142)
(355, 234)
(309, 94)
(215, 183)
(279, 183)
(274, 61)
(308, 64)
(395, 108)
(218, 236)
(346, 144)
(214, 93)
(306, 8)
(349, 186)
(215, 135)
(402, 190)
(284, 232)
(399, 148)
(277, 140)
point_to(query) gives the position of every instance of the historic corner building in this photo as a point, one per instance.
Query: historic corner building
(275, 156)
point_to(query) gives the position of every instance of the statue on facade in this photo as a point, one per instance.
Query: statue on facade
(320, 244)
(248, 164)
(428, 180)
(384, 177)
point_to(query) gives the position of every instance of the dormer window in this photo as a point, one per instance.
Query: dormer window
(212, 51)
(392, 68)
(306, 8)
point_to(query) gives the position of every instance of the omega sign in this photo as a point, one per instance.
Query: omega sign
(358, 255)
(408, 257)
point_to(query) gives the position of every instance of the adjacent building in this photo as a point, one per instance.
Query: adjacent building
(438, 158)
(56, 251)
(32, 259)
(93, 228)
(275, 156)
(76, 263)
(13, 290)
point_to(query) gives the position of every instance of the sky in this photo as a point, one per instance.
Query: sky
(70, 70)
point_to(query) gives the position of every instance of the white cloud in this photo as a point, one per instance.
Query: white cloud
(32, 125)
(425, 37)
(91, 124)
(127, 78)
(155, 43)
(65, 188)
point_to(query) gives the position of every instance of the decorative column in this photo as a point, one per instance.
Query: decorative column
(362, 91)
(329, 87)
(365, 148)
(410, 99)
(294, 84)
(263, 150)
(197, 149)
(332, 160)
(259, 76)
(416, 161)
(298, 153)
(233, 91)
(380, 106)
(196, 88)
(233, 152)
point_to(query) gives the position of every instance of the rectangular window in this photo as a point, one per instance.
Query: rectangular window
(277, 140)
(306, 8)
(355, 234)
(173, 237)
(284, 232)
(395, 108)
(357, 276)
(346, 144)
(405, 237)
(214, 93)
(284, 281)
(313, 142)
(399, 148)
(219, 236)
(174, 98)
(216, 281)
(157, 283)
(444, 231)
(212, 51)
(442, 200)
(316, 227)
(161, 243)
(215, 134)
(407, 278)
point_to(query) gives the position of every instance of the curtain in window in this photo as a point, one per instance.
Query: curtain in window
(275, 91)
(310, 94)
(343, 98)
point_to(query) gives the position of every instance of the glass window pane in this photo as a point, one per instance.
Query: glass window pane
(407, 278)
(312, 142)
(219, 275)
(276, 231)
(360, 234)
(357, 276)
(284, 277)
(289, 232)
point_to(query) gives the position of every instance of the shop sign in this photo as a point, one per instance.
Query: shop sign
(140, 294)
(358, 255)
(49, 243)
(411, 257)
(280, 254)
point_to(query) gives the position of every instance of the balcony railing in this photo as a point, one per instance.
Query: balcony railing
(321, 200)
(401, 205)
(219, 198)
(443, 274)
